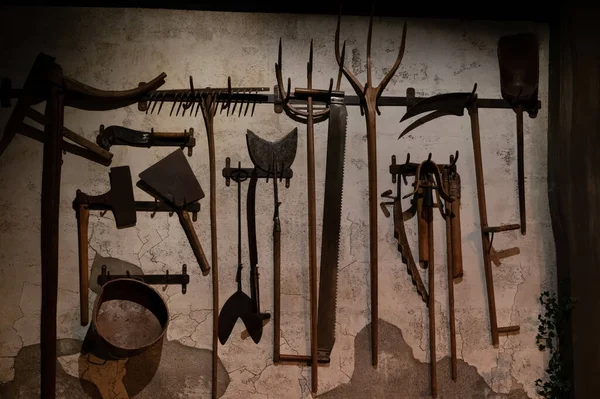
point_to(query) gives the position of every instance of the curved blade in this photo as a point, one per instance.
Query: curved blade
(452, 103)
(264, 153)
(254, 326)
(239, 305)
(424, 120)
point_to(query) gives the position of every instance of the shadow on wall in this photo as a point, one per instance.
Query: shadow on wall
(399, 371)
(180, 370)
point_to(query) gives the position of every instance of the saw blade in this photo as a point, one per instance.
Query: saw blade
(405, 252)
(332, 214)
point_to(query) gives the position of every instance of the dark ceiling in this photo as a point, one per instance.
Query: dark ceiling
(535, 11)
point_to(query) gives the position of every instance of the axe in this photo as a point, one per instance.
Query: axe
(455, 104)
(119, 199)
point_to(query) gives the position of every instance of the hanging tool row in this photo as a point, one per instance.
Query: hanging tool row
(175, 188)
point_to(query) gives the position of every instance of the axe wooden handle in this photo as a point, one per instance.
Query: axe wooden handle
(457, 263)
(83, 216)
(422, 231)
(190, 232)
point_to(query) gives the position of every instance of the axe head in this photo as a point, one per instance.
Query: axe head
(441, 105)
(172, 180)
(265, 154)
(120, 197)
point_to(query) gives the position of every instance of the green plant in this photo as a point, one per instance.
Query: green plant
(557, 384)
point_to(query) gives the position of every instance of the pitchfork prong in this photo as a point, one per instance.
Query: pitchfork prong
(369, 60)
(341, 68)
(349, 75)
(384, 82)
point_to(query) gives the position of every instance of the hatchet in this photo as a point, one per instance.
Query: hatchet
(119, 199)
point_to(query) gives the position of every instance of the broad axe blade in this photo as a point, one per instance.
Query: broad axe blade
(441, 104)
(173, 180)
(264, 153)
(120, 197)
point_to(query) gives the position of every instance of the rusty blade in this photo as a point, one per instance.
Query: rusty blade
(421, 121)
(332, 212)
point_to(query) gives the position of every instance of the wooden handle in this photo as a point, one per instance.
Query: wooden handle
(83, 217)
(423, 232)
(457, 264)
(93, 147)
(276, 293)
(190, 232)
(521, 171)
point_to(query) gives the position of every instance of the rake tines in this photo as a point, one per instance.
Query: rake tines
(185, 99)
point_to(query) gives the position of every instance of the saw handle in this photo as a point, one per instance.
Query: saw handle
(190, 232)
(83, 217)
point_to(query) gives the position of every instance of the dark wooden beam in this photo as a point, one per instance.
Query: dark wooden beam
(534, 11)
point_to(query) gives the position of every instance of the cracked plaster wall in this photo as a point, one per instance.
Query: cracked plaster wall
(117, 48)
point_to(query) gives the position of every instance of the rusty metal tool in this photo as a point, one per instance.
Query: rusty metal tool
(330, 237)
(518, 57)
(455, 104)
(119, 135)
(119, 199)
(427, 214)
(369, 96)
(239, 305)
(276, 272)
(335, 112)
(182, 279)
(309, 117)
(453, 187)
(451, 219)
(172, 180)
(46, 82)
(400, 233)
(429, 177)
(274, 158)
(253, 249)
(186, 99)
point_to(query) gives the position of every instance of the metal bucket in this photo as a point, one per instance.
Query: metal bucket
(129, 317)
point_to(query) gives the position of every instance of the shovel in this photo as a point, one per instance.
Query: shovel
(519, 75)
(239, 305)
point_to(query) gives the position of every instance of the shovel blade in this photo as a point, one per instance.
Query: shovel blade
(518, 57)
(239, 305)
